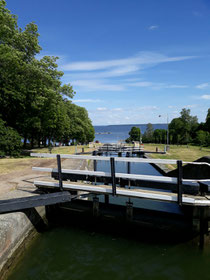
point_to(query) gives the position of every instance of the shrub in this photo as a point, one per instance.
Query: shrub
(10, 141)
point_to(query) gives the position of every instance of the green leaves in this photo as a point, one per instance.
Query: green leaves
(33, 100)
(135, 134)
(10, 141)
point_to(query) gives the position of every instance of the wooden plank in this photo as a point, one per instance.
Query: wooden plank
(133, 193)
(17, 204)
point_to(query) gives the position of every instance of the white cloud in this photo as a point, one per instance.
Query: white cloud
(147, 108)
(190, 106)
(203, 86)
(87, 100)
(140, 61)
(205, 97)
(95, 85)
(115, 72)
(141, 114)
(176, 86)
(153, 27)
(172, 106)
(97, 75)
(155, 85)
(101, 109)
(117, 109)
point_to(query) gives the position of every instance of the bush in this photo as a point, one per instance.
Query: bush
(10, 141)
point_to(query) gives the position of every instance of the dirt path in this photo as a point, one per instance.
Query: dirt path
(18, 183)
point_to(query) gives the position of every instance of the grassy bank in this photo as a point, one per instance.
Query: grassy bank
(65, 149)
(8, 165)
(185, 153)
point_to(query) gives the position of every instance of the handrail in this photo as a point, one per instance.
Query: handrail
(122, 159)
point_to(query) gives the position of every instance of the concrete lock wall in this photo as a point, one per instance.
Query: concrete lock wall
(15, 230)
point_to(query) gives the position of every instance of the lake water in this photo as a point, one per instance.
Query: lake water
(114, 133)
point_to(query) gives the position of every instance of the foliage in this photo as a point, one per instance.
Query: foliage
(182, 130)
(160, 136)
(10, 141)
(135, 134)
(33, 100)
(148, 134)
(202, 138)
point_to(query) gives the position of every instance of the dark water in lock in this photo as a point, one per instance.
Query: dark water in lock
(78, 253)
(69, 253)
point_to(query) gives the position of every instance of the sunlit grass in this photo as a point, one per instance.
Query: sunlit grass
(184, 153)
(8, 165)
(65, 149)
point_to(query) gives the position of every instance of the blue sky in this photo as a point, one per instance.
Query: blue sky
(129, 61)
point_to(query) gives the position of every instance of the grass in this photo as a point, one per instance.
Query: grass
(65, 149)
(185, 153)
(8, 165)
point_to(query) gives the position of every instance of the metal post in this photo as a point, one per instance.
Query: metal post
(167, 132)
(179, 181)
(112, 164)
(106, 196)
(59, 172)
(94, 165)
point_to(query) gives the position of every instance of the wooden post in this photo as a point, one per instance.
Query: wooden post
(203, 233)
(95, 206)
(129, 211)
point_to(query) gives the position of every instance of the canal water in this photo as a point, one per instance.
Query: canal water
(77, 253)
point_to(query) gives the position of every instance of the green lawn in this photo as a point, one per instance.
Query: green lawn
(65, 149)
(190, 153)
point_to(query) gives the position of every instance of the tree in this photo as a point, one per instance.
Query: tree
(202, 137)
(182, 130)
(32, 97)
(135, 134)
(10, 141)
(207, 123)
(148, 134)
(159, 136)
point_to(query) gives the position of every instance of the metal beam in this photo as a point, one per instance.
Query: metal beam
(137, 193)
(152, 178)
(123, 159)
(112, 164)
(17, 204)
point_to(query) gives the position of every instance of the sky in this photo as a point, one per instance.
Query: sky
(129, 61)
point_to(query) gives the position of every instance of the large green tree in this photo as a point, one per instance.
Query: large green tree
(148, 134)
(32, 97)
(182, 130)
(135, 134)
